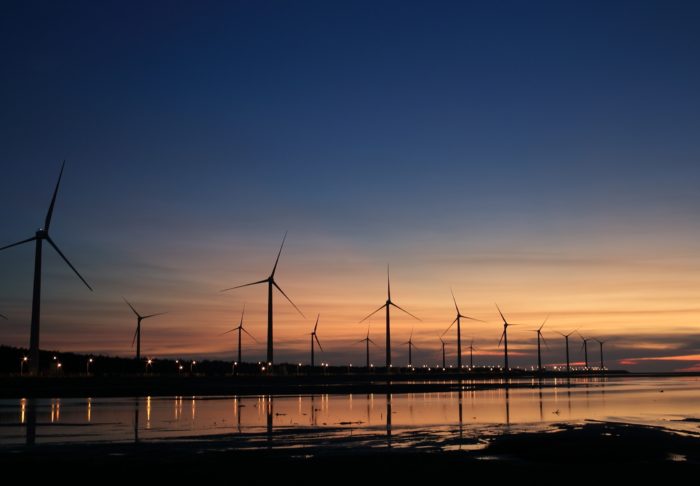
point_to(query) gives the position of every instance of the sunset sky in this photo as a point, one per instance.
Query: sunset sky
(542, 157)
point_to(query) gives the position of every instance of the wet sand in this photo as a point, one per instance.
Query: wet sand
(566, 453)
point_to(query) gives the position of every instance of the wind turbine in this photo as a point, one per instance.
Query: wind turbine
(388, 304)
(584, 346)
(410, 349)
(458, 320)
(39, 237)
(443, 352)
(270, 281)
(539, 349)
(504, 338)
(240, 329)
(471, 354)
(137, 334)
(367, 340)
(566, 339)
(602, 363)
(314, 336)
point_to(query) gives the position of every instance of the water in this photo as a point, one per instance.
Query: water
(440, 420)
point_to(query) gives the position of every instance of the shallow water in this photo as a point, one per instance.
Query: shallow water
(438, 420)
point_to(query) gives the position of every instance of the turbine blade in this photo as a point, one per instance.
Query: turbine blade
(132, 307)
(49, 213)
(544, 341)
(404, 310)
(316, 325)
(230, 330)
(450, 327)
(501, 340)
(274, 269)
(133, 341)
(372, 342)
(69, 263)
(471, 318)
(249, 334)
(373, 312)
(153, 315)
(545, 322)
(455, 300)
(388, 283)
(318, 342)
(290, 300)
(242, 314)
(502, 316)
(18, 243)
(245, 285)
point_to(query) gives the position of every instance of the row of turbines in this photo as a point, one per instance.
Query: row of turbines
(42, 235)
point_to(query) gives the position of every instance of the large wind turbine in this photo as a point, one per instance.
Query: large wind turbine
(388, 305)
(566, 340)
(270, 281)
(410, 349)
(240, 329)
(458, 320)
(315, 337)
(367, 340)
(137, 334)
(39, 237)
(539, 348)
(504, 338)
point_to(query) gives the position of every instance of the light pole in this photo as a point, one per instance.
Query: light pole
(149, 364)
(21, 364)
(87, 365)
(192, 364)
(235, 363)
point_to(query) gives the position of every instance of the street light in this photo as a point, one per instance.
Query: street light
(192, 365)
(89, 361)
(149, 364)
(21, 364)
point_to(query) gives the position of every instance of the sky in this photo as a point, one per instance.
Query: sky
(539, 155)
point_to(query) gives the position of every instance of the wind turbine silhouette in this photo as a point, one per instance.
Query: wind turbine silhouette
(388, 304)
(584, 346)
(458, 320)
(39, 237)
(566, 339)
(240, 329)
(137, 334)
(443, 352)
(367, 340)
(270, 281)
(410, 349)
(314, 336)
(602, 363)
(504, 338)
(471, 354)
(539, 349)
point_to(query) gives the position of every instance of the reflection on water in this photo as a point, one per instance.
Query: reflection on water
(386, 420)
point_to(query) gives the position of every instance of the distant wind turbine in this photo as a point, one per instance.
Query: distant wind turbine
(388, 304)
(504, 338)
(137, 334)
(458, 320)
(584, 346)
(566, 340)
(471, 354)
(270, 281)
(315, 337)
(443, 352)
(539, 348)
(367, 340)
(240, 329)
(39, 237)
(602, 363)
(410, 349)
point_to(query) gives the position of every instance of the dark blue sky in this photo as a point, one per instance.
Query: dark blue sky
(365, 123)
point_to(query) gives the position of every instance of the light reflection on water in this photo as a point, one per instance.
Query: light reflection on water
(443, 419)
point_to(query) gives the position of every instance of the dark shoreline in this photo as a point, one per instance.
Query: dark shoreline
(623, 451)
(173, 385)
